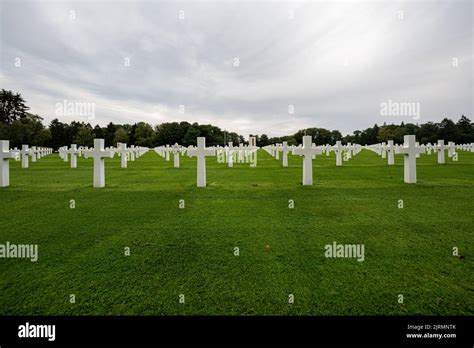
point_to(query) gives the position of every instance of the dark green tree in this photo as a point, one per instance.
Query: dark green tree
(12, 107)
(84, 136)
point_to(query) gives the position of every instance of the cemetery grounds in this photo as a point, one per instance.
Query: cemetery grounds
(236, 247)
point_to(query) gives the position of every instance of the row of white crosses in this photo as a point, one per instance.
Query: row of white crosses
(129, 153)
(387, 150)
(410, 149)
(99, 153)
(237, 154)
(73, 152)
(440, 148)
(347, 150)
(384, 150)
(125, 153)
(165, 151)
(228, 154)
(465, 147)
(6, 155)
(36, 153)
(201, 152)
(284, 149)
(310, 151)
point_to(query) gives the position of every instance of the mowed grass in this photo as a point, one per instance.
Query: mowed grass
(190, 251)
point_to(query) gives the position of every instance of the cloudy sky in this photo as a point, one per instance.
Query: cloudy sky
(249, 67)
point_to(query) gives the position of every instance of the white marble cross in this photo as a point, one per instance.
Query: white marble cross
(18, 154)
(62, 152)
(313, 145)
(429, 148)
(417, 144)
(167, 152)
(378, 149)
(338, 150)
(384, 150)
(74, 152)
(176, 152)
(159, 151)
(131, 151)
(39, 154)
(410, 150)
(271, 148)
(25, 153)
(440, 148)
(308, 152)
(349, 151)
(230, 155)
(285, 149)
(240, 153)
(451, 148)
(98, 153)
(201, 152)
(118, 146)
(5, 156)
(390, 150)
(251, 155)
(33, 153)
(277, 151)
(124, 152)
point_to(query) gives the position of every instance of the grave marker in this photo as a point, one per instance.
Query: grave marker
(451, 148)
(440, 148)
(74, 152)
(99, 154)
(285, 149)
(410, 150)
(25, 153)
(390, 150)
(124, 152)
(176, 155)
(5, 156)
(338, 148)
(201, 152)
(308, 152)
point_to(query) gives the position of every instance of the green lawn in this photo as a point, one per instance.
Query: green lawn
(191, 251)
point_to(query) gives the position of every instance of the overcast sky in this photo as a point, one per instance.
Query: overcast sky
(333, 62)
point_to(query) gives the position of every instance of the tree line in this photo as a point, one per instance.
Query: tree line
(460, 132)
(22, 127)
